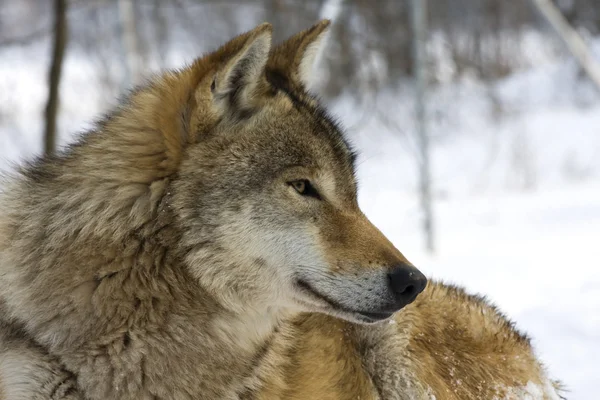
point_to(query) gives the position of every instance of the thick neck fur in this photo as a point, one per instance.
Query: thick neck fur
(90, 263)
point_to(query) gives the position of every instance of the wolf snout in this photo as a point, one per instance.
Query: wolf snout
(406, 282)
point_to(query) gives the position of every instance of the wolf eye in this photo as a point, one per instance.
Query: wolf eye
(305, 188)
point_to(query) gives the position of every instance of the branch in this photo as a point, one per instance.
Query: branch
(60, 40)
(572, 39)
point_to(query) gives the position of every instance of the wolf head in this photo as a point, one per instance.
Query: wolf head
(265, 190)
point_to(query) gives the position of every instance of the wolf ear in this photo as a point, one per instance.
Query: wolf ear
(296, 56)
(240, 77)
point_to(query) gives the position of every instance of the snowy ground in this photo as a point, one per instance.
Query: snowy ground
(516, 182)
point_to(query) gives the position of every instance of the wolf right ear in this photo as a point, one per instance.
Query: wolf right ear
(296, 56)
(240, 79)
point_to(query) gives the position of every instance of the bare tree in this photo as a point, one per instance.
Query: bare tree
(129, 42)
(161, 32)
(60, 41)
(419, 23)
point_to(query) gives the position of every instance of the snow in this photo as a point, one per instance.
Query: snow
(516, 171)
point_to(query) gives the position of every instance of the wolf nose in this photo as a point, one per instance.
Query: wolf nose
(406, 283)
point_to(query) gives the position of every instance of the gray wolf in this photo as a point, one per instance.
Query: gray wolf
(204, 241)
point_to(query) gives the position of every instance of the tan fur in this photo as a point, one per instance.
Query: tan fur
(466, 349)
(168, 255)
(27, 372)
(446, 344)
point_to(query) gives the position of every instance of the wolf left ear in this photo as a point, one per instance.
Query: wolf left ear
(297, 55)
(240, 77)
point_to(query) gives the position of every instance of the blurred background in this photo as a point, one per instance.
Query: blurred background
(477, 122)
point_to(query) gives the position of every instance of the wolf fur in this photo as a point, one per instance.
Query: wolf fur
(204, 241)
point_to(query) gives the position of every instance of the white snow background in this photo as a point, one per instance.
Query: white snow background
(516, 185)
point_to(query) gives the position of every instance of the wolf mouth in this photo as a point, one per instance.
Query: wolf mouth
(365, 316)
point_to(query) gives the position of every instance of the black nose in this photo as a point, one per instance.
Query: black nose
(406, 283)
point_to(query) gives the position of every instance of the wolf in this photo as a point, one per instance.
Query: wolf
(204, 241)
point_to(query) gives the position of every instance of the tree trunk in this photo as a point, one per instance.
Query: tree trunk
(161, 33)
(60, 41)
(419, 24)
(129, 43)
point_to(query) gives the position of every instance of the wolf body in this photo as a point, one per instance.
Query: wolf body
(205, 242)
